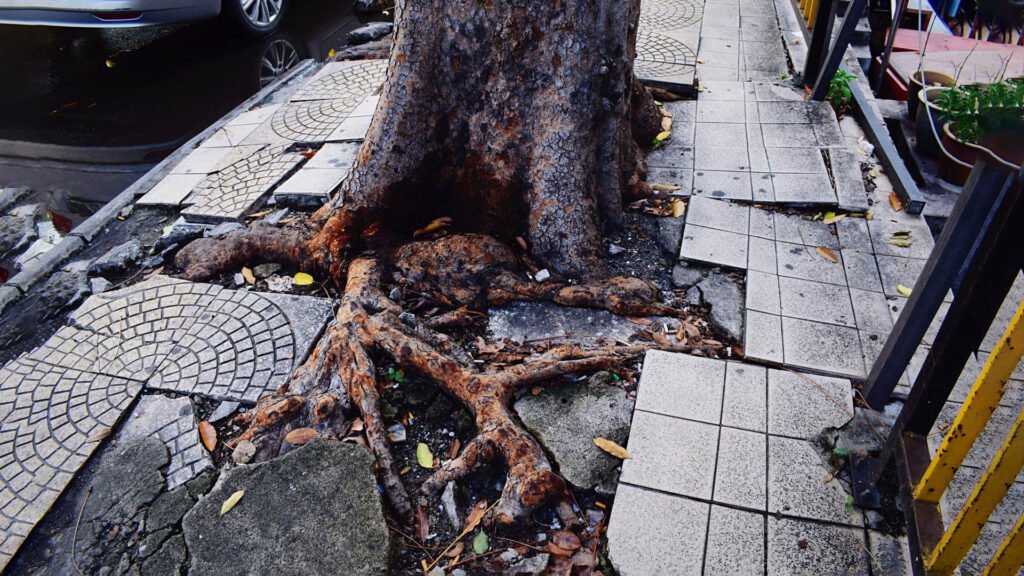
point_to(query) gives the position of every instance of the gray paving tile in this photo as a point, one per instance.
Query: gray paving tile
(318, 181)
(664, 72)
(671, 455)
(682, 385)
(766, 24)
(727, 59)
(675, 156)
(889, 554)
(853, 235)
(237, 190)
(789, 136)
(718, 214)
(801, 405)
(803, 189)
(745, 404)
(762, 255)
(861, 271)
(795, 160)
(681, 177)
(732, 135)
(799, 484)
(828, 134)
(173, 421)
(682, 111)
(782, 112)
(763, 292)
(773, 92)
(719, 111)
(334, 155)
(797, 547)
(882, 230)
(741, 473)
(643, 521)
(762, 338)
(722, 89)
(714, 246)
(735, 543)
(822, 347)
(796, 229)
(816, 301)
(753, 118)
(871, 344)
(762, 223)
(256, 116)
(705, 72)
(728, 32)
(351, 129)
(762, 185)
(764, 59)
(871, 310)
(201, 161)
(721, 158)
(348, 80)
(171, 190)
(723, 185)
(804, 262)
(895, 271)
(310, 121)
(722, 19)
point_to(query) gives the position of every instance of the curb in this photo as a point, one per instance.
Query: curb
(80, 237)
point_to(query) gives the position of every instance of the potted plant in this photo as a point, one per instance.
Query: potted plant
(918, 81)
(981, 119)
(930, 118)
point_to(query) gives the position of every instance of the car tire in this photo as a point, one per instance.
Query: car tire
(256, 18)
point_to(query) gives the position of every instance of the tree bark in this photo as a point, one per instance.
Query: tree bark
(516, 120)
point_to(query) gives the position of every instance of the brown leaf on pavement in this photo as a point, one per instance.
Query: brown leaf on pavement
(208, 434)
(300, 436)
(828, 255)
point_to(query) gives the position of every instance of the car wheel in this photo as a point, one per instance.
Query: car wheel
(257, 17)
(278, 57)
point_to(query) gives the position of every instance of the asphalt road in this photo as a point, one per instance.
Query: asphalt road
(83, 113)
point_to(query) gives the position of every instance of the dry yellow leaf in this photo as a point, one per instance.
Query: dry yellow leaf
(828, 255)
(99, 435)
(231, 501)
(678, 208)
(250, 278)
(423, 456)
(894, 199)
(611, 448)
(208, 434)
(834, 219)
(904, 290)
(664, 187)
(330, 53)
(302, 279)
(666, 123)
(435, 224)
(662, 136)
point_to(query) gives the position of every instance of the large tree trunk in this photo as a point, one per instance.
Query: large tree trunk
(514, 119)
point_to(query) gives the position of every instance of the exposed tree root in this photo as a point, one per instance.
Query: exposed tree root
(340, 372)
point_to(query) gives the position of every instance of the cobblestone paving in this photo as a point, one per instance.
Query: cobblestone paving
(323, 105)
(58, 401)
(720, 466)
(667, 40)
(350, 80)
(238, 189)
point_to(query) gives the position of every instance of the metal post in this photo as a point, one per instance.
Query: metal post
(838, 49)
(821, 36)
(901, 6)
(991, 192)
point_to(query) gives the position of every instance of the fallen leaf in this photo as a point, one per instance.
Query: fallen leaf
(456, 550)
(873, 172)
(611, 448)
(828, 254)
(302, 279)
(662, 136)
(405, 471)
(639, 321)
(208, 434)
(555, 550)
(475, 515)
(904, 290)
(894, 199)
(566, 540)
(678, 208)
(99, 435)
(435, 224)
(250, 278)
(453, 449)
(834, 219)
(423, 456)
(691, 330)
(481, 543)
(666, 123)
(422, 524)
(300, 436)
(231, 501)
(901, 243)
(110, 63)
(357, 425)
(664, 187)
(330, 53)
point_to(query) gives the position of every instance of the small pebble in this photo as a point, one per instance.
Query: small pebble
(542, 275)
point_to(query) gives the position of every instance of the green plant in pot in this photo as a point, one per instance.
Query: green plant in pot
(981, 119)
(930, 118)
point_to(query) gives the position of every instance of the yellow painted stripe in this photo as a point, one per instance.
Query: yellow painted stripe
(1010, 556)
(812, 13)
(985, 395)
(988, 493)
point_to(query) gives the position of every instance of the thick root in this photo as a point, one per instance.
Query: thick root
(205, 258)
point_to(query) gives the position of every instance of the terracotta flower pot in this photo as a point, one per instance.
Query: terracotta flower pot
(957, 158)
(919, 80)
(928, 125)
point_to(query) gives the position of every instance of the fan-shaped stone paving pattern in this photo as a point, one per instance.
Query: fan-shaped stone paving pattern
(320, 107)
(58, 402)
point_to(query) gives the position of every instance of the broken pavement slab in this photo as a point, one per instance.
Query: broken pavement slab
(173, 421)
(326, 517)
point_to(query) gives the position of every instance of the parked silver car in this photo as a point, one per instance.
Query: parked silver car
(255, 17)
